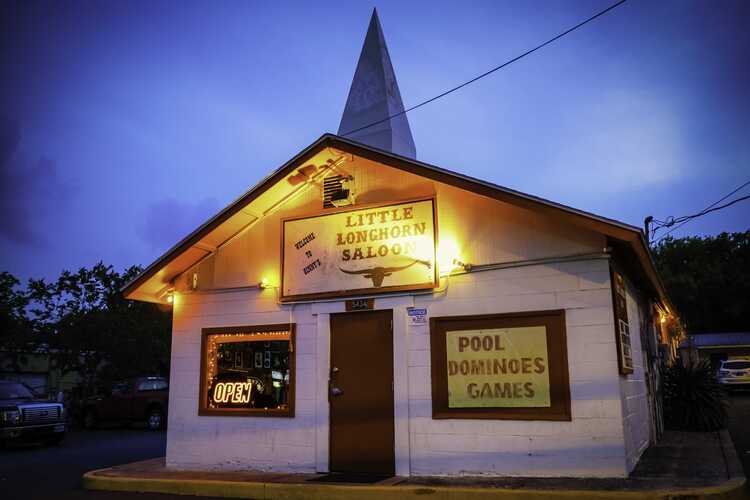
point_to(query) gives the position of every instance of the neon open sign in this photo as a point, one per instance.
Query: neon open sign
(233, 392)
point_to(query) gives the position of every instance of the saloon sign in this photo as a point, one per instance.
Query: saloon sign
(364, 250)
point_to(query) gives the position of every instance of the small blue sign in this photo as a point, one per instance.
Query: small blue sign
(417, 315)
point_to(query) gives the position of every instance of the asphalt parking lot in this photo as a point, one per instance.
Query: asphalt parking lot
(36, 472)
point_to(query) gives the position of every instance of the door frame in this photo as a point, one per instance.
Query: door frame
(321, 312)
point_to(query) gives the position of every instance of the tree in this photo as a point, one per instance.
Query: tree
(16, 330)
(85, 325)
(708, 280)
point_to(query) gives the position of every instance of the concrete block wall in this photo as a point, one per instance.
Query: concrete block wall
(232, 443)
(592, 444)
(635, 404)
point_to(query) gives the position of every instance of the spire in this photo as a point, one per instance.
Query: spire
(374, 96)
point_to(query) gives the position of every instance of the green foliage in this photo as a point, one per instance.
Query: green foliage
(16, 330)
(693, 398)
(708, 279)
(84, 324)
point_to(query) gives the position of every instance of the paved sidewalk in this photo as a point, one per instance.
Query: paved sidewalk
(682, 465)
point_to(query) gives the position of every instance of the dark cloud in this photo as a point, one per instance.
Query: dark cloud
(29, 189)
(168, 221)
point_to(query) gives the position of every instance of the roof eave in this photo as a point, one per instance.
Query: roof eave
(617, 229)
(191, 239)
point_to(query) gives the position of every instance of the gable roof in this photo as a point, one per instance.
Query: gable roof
(206, 238)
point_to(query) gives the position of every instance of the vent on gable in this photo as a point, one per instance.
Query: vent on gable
(331, 184)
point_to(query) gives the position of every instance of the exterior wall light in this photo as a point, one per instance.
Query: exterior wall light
(449, 256)
(463, 265)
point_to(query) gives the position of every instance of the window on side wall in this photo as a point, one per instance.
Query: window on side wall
(500, 366)
(622, 328)
(247, 371)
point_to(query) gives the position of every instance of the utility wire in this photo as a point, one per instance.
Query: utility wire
(511, 61)
(681, 221)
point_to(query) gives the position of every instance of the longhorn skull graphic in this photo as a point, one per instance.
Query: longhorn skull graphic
(377, 274)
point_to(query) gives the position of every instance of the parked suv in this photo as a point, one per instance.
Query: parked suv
(139, 399)
(735, 373)
(24, 415)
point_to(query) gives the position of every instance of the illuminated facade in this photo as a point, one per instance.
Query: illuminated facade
(361, 311)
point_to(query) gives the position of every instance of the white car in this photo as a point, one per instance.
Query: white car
(735, 373)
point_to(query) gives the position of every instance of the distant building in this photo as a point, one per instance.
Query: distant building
(37, 370)
(715, 346)
(362, 311)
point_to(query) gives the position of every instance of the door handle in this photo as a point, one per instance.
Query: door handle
(335, 391)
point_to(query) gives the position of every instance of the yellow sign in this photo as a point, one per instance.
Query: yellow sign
(498, 368)
(368, 249)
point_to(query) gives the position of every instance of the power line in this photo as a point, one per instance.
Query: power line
(511, 61)
(704, 212)
(681, 221)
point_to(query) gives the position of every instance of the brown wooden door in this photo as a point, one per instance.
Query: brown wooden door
(361, 393)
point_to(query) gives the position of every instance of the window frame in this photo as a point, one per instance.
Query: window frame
(619, 285)
(288, 412)
(557, 355)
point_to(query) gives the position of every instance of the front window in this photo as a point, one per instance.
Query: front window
(248, 371)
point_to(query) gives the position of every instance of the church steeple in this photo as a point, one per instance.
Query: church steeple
(374, 96)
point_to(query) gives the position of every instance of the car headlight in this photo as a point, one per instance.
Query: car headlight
(11, 416)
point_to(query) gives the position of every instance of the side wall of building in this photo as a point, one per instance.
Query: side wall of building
(636, 416)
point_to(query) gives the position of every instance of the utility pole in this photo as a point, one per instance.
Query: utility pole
(646, 224)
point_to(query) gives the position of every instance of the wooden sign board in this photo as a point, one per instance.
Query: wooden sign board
(360, 250)
(498, 368)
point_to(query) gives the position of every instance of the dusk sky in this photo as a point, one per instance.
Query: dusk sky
(125, 125)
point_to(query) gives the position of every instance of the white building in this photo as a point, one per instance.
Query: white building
(361, 311)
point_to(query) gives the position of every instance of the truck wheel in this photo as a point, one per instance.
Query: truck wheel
(89, 419)
(155, 419)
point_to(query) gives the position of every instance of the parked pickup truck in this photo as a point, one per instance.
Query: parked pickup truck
(139, 399)
(24, 415)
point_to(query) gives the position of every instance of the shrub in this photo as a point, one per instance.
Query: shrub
(693, 398)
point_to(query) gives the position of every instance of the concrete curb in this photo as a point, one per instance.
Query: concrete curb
(731, 489)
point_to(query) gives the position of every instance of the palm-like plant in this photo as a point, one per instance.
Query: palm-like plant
(693, 398)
